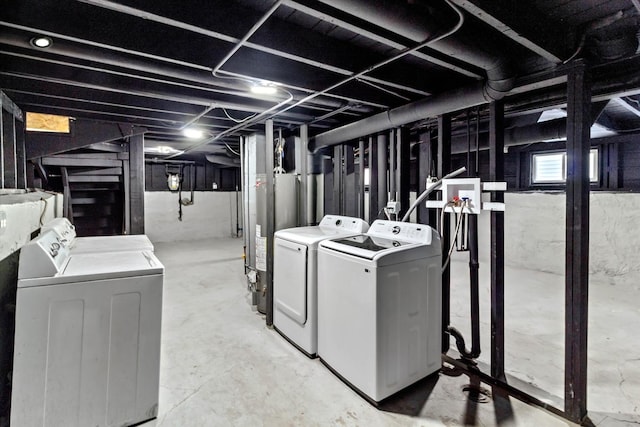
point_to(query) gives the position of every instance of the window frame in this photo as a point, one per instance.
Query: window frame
(594, 161)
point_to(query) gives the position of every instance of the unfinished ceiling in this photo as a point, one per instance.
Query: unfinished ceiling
(168, 66)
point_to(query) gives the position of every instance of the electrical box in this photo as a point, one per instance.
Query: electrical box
(467, 191)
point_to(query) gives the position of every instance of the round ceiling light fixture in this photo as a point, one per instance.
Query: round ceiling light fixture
(41, 42)
(193, 133)
(264, 88)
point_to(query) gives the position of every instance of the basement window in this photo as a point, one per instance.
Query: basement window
(37, 122)
(551, 167)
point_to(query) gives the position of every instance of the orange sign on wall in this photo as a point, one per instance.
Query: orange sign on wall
(48, 123)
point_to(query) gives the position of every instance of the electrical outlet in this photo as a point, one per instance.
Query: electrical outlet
(393, 207)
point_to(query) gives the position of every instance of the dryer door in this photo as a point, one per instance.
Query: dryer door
(290, 279)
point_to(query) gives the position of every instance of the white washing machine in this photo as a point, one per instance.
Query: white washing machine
(379, 307)
(87, 338)
(295, 277)
(67, 233)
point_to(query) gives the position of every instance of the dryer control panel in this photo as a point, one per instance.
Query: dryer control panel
(346, 223)
(44, 256)
(403, 231)
(63, 228)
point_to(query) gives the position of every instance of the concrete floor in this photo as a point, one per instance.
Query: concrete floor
(221, 365)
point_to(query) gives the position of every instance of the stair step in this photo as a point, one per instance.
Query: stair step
(94, 178)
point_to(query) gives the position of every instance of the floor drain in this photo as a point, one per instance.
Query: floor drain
(477, 394)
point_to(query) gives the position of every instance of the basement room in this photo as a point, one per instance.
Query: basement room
(319, 213)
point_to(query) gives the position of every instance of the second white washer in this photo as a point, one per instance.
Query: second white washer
(295, 277)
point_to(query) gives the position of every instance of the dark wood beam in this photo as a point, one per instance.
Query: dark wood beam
(523, 24)
(136, 183)
(577, 241)
(444, 167)
(496, 173)
(373, 179)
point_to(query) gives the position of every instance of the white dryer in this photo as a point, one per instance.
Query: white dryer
(67, 234)
(87, 338)
(379, 307)
(295, 277)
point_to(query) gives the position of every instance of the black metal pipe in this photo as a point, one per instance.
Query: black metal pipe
(474, 266)
(474, 284)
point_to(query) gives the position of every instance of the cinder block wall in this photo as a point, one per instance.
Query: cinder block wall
(535, 234)
(212, 215)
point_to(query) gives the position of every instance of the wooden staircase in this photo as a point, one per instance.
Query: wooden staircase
(94, 184)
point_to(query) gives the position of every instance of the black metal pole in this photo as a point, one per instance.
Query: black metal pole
(474, 285)
(361, 164)
(269, 163)
(373, 179)
(496, 173)
(444, 166)
(383, 152)
(577, 241)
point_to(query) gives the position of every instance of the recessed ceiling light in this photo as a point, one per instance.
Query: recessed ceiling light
(193, 133)
(264, 89)
(41, 42)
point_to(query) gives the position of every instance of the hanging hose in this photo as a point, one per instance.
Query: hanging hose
(430, 190)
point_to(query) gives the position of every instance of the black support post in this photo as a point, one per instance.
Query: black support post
(361, 189)
(444, 167)
(338, 179)
(136, 183)
(424, 165)
(404, 167)
(271, 221)
(383, 151)
(304, 176)
(20, 153)
(393, 163)
(373, 179)
(350, 187)
(577, 241)
(496, 173)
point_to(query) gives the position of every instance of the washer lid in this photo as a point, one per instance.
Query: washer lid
(331, 226)
(99, 266)
(310, 236)
(365, 246)
(135, 263)
(130, 242)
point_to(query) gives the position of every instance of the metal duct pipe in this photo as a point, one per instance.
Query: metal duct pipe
(421, 21)
(221, 159)
(500, 77)
(538, 132)
(436, 105)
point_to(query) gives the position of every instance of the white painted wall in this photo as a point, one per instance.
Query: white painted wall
(535, 234)
(212, 215)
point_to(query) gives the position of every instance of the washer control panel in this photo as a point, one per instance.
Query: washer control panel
(345, 223)
(43, 256)
(63, 228)
(403, 231)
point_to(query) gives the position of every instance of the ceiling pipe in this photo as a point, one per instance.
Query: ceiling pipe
(423, 21)
(221, 159)
(521, 135)
(458, 99)
(500, 78)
